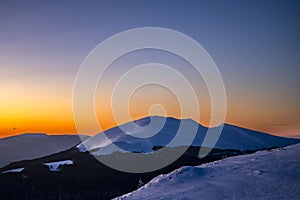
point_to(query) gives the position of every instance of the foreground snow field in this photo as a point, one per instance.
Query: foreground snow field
(263, 175)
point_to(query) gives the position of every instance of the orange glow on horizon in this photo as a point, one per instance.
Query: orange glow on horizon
(32, 108)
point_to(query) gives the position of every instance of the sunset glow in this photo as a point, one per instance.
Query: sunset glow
(257, 55)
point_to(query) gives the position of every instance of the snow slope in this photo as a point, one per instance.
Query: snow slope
(264, 175)
(13, 170)
(30, 146)
(54, 166)
(132, 136)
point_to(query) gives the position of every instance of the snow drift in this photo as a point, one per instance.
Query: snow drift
(263, 175)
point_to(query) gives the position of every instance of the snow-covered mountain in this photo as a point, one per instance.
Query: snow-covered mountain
(59, 175)
(264, 175)
(30, 146)
(132, 137)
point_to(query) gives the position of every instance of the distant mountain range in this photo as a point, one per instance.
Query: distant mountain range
(34, 145)
(76, 173)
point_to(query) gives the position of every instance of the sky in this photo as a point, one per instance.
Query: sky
(255, 44)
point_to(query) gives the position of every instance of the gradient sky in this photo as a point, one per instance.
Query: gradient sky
(255, 44)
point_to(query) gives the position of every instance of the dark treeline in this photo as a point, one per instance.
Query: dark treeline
(87, 178)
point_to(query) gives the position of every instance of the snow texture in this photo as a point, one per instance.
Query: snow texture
(263, 175)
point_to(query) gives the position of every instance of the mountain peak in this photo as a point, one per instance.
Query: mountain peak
(144, 134)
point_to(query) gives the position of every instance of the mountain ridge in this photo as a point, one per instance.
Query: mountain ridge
(131, 136)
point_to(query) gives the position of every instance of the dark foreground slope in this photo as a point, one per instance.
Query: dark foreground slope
(87, 178)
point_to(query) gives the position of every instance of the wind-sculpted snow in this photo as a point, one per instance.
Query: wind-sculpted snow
(264, 175)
